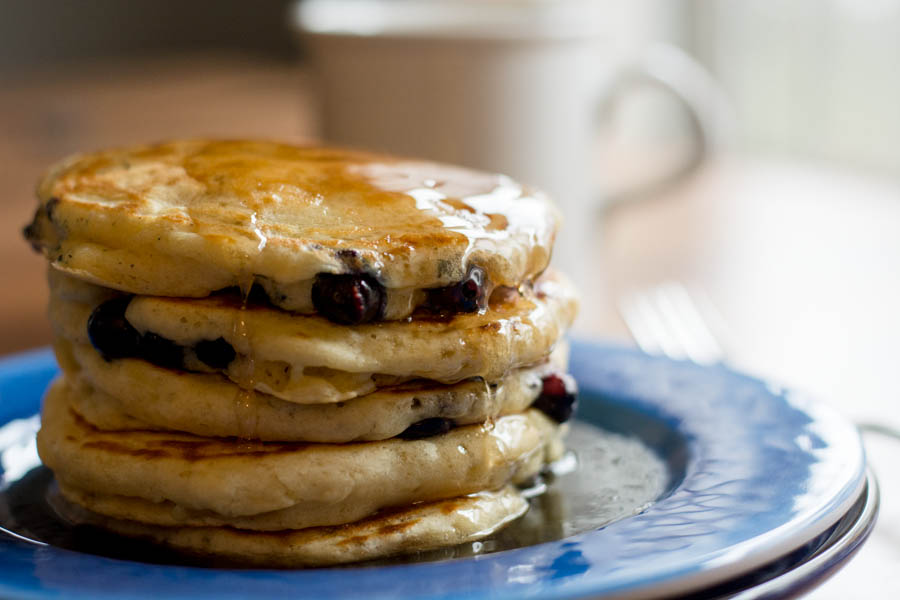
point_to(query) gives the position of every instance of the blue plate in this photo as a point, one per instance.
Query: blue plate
(756, 472)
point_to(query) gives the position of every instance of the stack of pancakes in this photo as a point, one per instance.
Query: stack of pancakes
(298, 356)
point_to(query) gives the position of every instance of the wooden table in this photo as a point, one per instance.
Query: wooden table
(802, 261)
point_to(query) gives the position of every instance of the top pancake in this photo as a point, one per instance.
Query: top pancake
(187, 218)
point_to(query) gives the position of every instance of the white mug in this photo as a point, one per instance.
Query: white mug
(511, 86)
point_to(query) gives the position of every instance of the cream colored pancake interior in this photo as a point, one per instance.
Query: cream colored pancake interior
(134, 394)
(307, 359)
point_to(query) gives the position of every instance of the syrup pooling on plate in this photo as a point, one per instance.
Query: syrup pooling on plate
(599, 491)
(190, 218)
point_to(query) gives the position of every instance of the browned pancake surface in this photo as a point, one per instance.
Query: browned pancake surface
(187, 218)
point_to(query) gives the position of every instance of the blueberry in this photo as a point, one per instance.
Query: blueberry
(427, 428)
(348, 299)
(114, 337)
(466, 296)
(216, 354)
(161, 352)
(37, 231)
(559, 397)
(32, 235)
(110, 333)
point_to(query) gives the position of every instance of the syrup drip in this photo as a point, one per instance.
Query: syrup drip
(245, 414)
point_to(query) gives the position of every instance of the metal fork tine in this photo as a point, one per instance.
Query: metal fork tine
(666, 320)
(640, 331)
(684, 318)
(668, 303)
(648, 327)
(671, 321)
(718, 327)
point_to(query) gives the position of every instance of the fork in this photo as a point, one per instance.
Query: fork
(668, 320)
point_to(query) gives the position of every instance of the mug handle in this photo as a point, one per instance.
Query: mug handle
(672, 70)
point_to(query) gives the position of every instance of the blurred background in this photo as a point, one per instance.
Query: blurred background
(808, 78)
(785, 232)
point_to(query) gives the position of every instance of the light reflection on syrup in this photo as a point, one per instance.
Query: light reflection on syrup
(263, 240)
(488, 209)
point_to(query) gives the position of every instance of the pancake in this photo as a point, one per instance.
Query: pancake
(298, 356)
(424, 526)
(187, 218)
(310, 360)
(191, 480)
(134, 394)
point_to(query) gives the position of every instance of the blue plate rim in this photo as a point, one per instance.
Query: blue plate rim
(679, 576)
